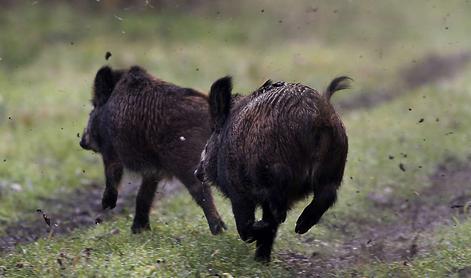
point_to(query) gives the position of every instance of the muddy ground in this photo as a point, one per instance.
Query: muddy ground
(391, 242)
(79, 209)
(429, 70)
(442, 200)
(435, 206)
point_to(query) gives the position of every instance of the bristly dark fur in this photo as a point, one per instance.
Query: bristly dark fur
(267, 83)
(220, 91)
(151, 127)
(339, 83)
(274, 147)
(105, 80)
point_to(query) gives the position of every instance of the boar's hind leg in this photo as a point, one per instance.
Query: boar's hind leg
(265, 233)
(324, 198)
(144, 200)
(201, 193)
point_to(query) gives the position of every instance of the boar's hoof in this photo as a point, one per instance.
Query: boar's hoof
(110, 197)
(303, 225)
(262, 257)
(217, 227)
(255, 231)
(138, 228)
(247, 235)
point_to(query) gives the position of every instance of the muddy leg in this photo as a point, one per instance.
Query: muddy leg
(265, 231)
(144, 200)
(113, 175)
(323, 200)
(201, 193)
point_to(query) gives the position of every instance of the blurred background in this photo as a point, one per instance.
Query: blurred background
(407, 117)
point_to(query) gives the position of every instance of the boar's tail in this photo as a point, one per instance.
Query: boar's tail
(339, 83)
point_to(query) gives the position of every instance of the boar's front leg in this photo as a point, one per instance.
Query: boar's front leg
(265, 233)
(113, 175)
(275, 179)
(144, 200)
(244, 214)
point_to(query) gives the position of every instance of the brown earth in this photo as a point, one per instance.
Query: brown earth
(429, 70)
(402, 239)
(79, 209)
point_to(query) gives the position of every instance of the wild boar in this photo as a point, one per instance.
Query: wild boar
(272, 148)
(153, 128)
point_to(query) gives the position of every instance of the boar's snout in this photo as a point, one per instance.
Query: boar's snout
(84, 144)
(85, 141)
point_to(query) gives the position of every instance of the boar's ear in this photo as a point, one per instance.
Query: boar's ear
(220, 101)
(103, 85)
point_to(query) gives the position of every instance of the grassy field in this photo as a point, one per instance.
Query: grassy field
(47, 64)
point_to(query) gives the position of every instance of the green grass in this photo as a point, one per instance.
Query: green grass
(45, 81)
(179, 245)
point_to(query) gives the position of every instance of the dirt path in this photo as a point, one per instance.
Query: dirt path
(404, 238)
(431, 69)
(79, 209)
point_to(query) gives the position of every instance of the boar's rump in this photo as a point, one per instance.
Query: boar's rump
(272, 148)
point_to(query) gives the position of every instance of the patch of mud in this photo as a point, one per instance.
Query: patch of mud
(405, 237)
(431, 69)
(435, 67)
(79, 209)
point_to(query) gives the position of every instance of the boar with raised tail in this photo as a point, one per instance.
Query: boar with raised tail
(153, 128)
(272, 148)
